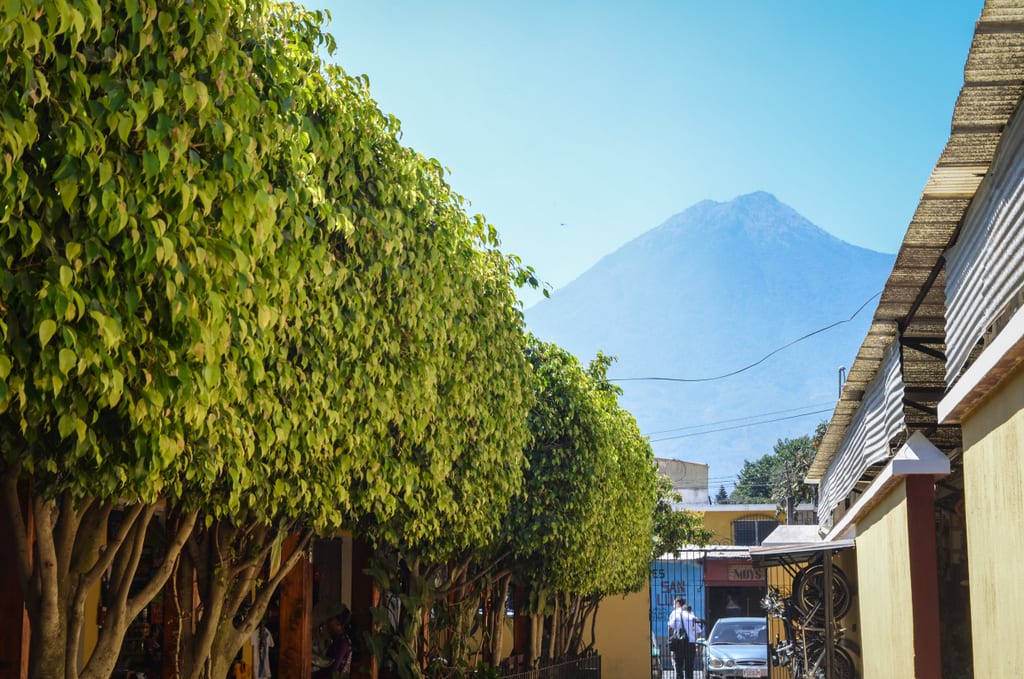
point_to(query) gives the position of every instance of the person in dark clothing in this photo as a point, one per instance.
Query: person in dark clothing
(677, 639)
(339, 650)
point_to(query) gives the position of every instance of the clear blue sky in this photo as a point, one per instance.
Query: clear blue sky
(608, 117)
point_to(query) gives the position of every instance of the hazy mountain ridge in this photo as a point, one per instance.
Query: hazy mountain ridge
(711, 290)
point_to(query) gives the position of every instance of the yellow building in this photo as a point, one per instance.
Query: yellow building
(920, 475)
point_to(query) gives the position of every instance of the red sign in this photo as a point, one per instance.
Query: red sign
(726, 572)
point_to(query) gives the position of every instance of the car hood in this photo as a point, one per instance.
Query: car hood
(739, 652)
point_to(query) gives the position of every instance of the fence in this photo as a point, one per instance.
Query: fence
(587, 667)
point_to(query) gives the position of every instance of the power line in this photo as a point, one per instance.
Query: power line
(739, 426)
(738, 419)
(755, 363)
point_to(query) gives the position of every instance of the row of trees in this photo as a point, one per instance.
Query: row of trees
(233, 302)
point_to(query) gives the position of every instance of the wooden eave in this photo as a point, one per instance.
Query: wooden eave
(912, 304)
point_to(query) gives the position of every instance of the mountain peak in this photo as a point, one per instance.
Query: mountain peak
(758, 217)
(714, 288)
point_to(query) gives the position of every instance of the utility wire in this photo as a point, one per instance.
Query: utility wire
(739, 426)
(737, 419)
(756, 363)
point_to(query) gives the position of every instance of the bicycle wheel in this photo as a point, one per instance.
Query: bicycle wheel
(842, 664)
(809, 591)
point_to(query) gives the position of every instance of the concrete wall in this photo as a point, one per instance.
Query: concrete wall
(883, 590)
(623, 635)
(993, 436)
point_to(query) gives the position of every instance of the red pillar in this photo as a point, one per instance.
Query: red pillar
(296, 626)
(14, 637)
(924, 578)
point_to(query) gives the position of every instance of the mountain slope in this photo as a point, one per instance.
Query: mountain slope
(710, 291)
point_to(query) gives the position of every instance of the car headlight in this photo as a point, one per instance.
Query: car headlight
(729, 663)
(715, 662)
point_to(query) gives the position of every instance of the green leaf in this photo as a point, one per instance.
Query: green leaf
(150, 163)
(67, 359)
(110, 328)
(46, 330)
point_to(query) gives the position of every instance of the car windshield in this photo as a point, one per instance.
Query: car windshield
(740, 633)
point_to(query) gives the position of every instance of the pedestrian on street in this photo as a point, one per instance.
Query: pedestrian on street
(677, 639)
(691, 626)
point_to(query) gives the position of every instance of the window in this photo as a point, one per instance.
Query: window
(752, 532)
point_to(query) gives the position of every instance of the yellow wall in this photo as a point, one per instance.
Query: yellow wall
(90, 631)
(993, 437)
(852, 640)
(720, 522)
(883, 590)
(623, 635)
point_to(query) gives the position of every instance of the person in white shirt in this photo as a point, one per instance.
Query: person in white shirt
(677, 638)
(691, 626)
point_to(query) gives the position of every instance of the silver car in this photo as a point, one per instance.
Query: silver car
(736, 647)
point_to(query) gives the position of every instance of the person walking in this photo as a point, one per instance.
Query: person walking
(691, 626)
(677, 639)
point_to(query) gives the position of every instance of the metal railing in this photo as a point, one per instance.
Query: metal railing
(586, 667)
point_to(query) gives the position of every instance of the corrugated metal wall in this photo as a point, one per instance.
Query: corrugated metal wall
(985, 268)
(877, 421)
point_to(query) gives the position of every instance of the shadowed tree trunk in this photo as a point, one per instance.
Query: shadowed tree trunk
(223, 567)
(68, 557)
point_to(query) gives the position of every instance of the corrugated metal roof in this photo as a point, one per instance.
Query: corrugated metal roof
(912, 302)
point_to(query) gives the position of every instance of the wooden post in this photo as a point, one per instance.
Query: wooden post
(830, 637)
(296, 632)
(924, 577)
(521, 627)
(364, 597)
(14, 640)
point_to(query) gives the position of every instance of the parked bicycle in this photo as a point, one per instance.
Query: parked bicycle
(804, 650)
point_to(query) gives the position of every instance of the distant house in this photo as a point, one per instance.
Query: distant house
(689, 479)
(921, 471)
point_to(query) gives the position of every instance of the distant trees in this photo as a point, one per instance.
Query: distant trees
(721, 497)
(779, 475)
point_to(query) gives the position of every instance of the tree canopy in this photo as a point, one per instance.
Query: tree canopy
(227, 286)
(779, 475)
(589, 485)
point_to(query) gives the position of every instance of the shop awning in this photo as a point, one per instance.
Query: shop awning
(784, 553)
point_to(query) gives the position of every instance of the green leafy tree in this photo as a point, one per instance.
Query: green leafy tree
(228, 291)
(583, 527)
(753, 486)
(135, 215)
(721, 497)
(779, 475)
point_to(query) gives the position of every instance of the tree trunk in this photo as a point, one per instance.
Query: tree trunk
(63, 557)
(222, 565)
